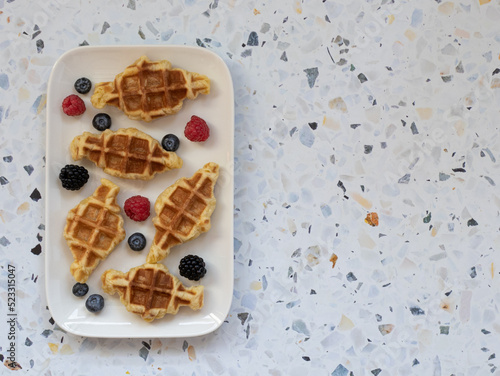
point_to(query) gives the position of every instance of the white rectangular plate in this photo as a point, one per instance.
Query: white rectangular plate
(216, 246)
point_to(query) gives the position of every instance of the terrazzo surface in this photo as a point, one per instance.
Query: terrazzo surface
(342, 109)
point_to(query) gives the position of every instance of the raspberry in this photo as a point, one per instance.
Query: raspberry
(196, 129)
(137, 208)
(73, 105)
(192, 267)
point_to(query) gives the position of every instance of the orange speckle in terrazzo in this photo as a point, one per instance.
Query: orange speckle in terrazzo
(53, 347)
(256, 285)
(425, 113)
(446, 8)
(482, 2)
(410, 34)
(361, 200)
(462, 33)
(372, 219)
(191, 353)
(298, 7)
(345, 323)
(23, 208)
(334, 259)
(255, 11)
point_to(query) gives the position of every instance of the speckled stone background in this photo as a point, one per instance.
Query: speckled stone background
(343, 108)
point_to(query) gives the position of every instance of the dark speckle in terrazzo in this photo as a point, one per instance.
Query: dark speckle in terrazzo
(490, 154)
(36, 33)
(47, 332)
(312, 75)
(143, 353)
(300, 327)
(253, 39)
(405, 179)
(362, 78)
(200, 43)
(368, 149)
(376, 371)
(313, 125)
(351, 277)
(473, 273)
(141, 33)
(214, 5)
(417, 311)
(496, 71)
(341, 186)
(35, 195)
(7, 158)
(37, 249)
(3, 180)
(340, 370)
(443, 176)
(105, 26)
(427, 218)
(413, 128)
(471, 222)
(283, 56)
(4, 81)
(39, 45)
(185, 345)
(490, 180)
(131, 4)
(29, 169)
(4, 241)
(28, 342)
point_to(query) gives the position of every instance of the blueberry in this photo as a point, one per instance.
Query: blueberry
(80, 289)
(170, 142)
(95, 303)
(137, 241)
(83, 85)
(101, 122)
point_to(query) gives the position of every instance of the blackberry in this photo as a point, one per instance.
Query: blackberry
(170, 142)
(192, 267)
(80, 289)
(137, 241)
(73, 177)
(83, 85)
(101, 122)
(95, 303)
